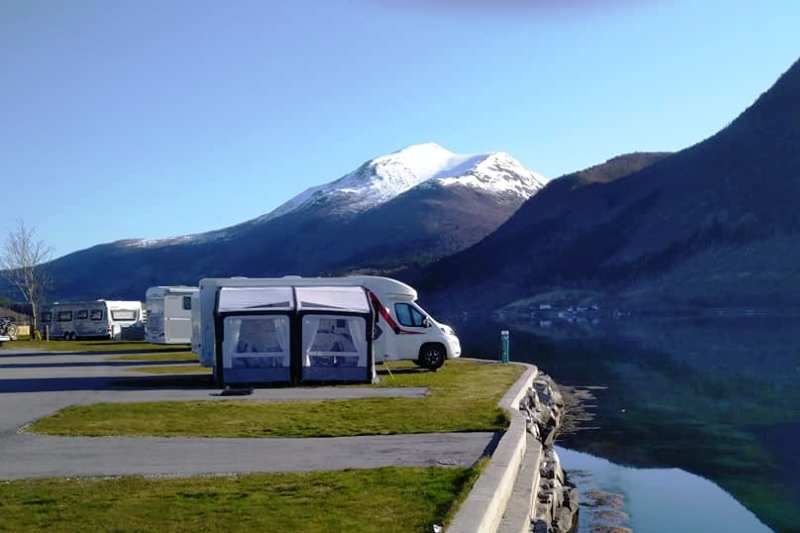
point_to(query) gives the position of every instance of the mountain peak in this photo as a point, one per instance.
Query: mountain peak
(384, 177)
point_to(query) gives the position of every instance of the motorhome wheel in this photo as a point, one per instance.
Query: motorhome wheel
(431, 356)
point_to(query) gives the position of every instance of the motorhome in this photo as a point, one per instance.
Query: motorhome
(107, 319)
(169, 314)
(400, 328)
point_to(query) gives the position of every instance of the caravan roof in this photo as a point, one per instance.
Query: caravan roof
(377, 284)
(164, 290)
(86, 303)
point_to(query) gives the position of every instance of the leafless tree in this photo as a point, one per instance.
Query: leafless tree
(22, 265)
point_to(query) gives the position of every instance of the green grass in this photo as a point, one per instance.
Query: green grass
(462, 396)
(89, 346)
(384, 500)
(168, 356)
(171, 369)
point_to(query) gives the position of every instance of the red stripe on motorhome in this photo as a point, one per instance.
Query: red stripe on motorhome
(387, 317)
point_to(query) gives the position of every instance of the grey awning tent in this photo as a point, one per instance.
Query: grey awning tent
(293, 335)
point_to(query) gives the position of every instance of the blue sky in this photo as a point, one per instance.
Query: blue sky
(158, 118)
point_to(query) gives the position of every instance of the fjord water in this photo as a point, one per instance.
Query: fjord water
(677, 399)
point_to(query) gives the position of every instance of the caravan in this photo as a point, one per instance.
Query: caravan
(108, 319)
(169, 314)
(328, 312)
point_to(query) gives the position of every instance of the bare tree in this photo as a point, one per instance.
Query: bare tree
(22, 265)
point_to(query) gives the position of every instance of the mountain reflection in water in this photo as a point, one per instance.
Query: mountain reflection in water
(653, 499)
(718, 398)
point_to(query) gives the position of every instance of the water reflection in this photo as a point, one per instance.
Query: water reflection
(719, 398)
(652, 499)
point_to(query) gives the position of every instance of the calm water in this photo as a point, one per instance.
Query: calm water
(705, 414)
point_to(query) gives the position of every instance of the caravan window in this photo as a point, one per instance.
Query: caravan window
(123, 314)
(47, 317)
(97, 314)
(83, 314)
(187, 303)
(409, 316)
(64, 316)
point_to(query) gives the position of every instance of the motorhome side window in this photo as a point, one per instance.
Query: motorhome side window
(47, 317)
(187, 303)
(83, 314)
(123, 314)
(96, 314)
(64, 316)
(408, 316)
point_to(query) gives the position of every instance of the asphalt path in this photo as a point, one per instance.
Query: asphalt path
(35, 384)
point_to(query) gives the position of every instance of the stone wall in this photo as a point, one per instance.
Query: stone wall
(556, 503)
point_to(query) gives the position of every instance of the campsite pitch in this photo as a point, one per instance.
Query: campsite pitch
(462, 396)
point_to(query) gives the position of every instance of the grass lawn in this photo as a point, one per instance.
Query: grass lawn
(463, 396)
(168, 356)
(89, 346)
(172, 369)
(379, 500)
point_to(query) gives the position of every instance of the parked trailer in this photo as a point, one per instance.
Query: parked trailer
(169, 314)
(401, 328)
(108, 319)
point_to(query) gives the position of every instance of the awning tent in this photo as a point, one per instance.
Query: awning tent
(293, 335)
(335, 346)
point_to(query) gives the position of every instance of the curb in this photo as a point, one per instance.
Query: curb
(482, 510)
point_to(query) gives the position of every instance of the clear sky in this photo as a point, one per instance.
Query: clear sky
(150, 119)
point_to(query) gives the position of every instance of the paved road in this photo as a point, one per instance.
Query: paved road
(28, 456)
(35, 385)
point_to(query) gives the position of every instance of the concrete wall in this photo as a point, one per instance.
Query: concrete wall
(523, 487)
(483, 509)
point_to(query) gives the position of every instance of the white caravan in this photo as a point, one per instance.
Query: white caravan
(403, 330)
(169, 314)
(98, 318)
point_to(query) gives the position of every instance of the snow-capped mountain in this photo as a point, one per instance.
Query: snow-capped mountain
(386, 177)
(395, 211)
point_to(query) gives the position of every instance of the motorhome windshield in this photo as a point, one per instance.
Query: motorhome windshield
(409, 315)
(123, 314)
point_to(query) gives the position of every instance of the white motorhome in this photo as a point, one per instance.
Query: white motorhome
(402, 329)
(98, 318)
(169, 314)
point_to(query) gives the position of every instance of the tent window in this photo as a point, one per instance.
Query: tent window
(256, 342)
(255, 299)
(351, 299)
(334, 342)
(408, 316)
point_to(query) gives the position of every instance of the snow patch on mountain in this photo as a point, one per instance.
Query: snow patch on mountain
(500, 174)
